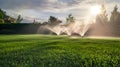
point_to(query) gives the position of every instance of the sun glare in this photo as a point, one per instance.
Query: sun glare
(95, 10)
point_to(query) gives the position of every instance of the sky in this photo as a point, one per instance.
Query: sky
(42, 9)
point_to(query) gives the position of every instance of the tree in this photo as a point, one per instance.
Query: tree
(115, 15)
(9, 19)
(100, 28)
(54, 21)
(1, 21)
(19, 19)
(102, 17)
(70, 19)
(2, 13)
(115, 21)
(1, 16)
(4, 18)
(34, 21)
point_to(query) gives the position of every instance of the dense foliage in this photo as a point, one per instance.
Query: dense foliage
(6, 19)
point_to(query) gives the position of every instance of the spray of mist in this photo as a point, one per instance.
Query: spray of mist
(78, 28)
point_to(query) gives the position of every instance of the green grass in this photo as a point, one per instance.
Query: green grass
(58, 51)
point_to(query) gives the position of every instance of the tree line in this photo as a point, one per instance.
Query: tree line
(103, 17)
(105, 25)
(6, 19)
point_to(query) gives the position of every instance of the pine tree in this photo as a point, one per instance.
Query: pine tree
(115, 21)
(102, 17)
(115, 15)
(100, 28)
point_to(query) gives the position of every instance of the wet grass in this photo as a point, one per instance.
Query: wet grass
(58, 51)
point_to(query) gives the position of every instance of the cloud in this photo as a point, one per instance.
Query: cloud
(50, 5)
(58, 8)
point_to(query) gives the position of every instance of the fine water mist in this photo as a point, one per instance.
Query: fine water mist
(71, 29)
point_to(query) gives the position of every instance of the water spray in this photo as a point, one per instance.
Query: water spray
(77, 28)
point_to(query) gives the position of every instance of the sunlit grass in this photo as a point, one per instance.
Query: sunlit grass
(58, 51)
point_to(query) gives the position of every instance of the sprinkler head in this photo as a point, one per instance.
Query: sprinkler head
(82, 36)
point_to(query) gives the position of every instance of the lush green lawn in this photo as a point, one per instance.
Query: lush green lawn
(58, 51)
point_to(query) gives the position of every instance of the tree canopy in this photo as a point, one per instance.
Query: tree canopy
(115, 15)
(70, 19)
(54, 21)
(4, 18)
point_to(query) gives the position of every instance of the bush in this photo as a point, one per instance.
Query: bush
(1, 15)
(1, 21)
